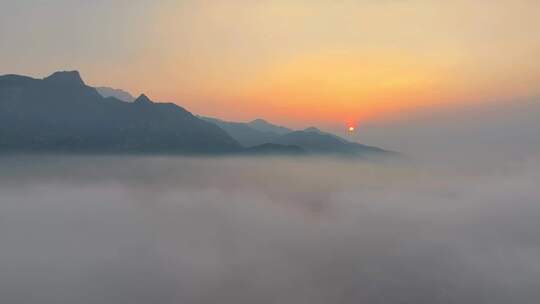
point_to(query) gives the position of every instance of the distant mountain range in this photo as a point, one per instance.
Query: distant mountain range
(246, 135)
(312, 140)
(116, 93)
(60, 113)
(264, 126)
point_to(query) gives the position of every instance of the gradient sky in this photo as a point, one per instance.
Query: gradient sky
(295, 62)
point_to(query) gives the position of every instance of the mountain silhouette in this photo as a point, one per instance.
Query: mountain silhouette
(243, 132)
(65, 78)
(311, 140)
(62, 113)
(318, 131)
(325, 143)
(265, 126)
(116, 93)
(143, 100)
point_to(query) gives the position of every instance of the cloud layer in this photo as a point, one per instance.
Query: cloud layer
(233, 230)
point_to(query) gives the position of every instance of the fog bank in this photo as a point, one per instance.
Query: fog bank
(494, 131)
(266, 230)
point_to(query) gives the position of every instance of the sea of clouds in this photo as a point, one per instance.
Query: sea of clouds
(104, 229)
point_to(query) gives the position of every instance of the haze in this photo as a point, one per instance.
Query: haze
(266, 230)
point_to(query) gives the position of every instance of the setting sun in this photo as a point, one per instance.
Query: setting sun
(351, 129)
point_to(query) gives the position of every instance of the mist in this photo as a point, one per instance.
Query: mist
(81, 229)
(490, 131)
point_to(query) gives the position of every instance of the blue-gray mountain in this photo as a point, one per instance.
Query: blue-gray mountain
(243, 132)
(60, 113)
(265, 126)
(312, 140)
(116, 93)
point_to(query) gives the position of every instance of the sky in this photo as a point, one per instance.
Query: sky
(296, 62)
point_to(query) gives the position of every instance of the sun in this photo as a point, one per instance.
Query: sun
(351, 129)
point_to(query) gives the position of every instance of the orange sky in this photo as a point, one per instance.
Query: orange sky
(296, 62)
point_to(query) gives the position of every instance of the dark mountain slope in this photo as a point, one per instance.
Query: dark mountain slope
(116, 93)
(61, 113)
(322, 143)
(310, 140)
(318, 131)
(243, 133)
(265, 126)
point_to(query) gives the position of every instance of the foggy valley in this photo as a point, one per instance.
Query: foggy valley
(115, 229)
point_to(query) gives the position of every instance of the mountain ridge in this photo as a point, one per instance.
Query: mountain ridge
(61, 113)
(58, 113)
(265, 126)
(66, 78)
(117, 93)
(311, 140)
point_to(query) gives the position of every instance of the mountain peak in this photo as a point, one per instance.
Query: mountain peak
(116, 93)
(265, 126)
(66, 78)
(313, 129)
(259, 121)
(143, 99)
